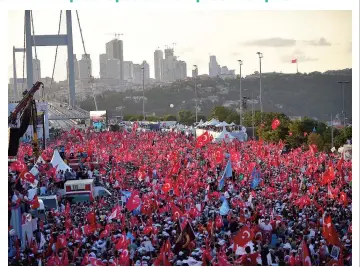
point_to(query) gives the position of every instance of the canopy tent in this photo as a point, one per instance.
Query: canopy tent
(201, 123)
(222, 124)
(58, 162)
(232, 124)
(212, 122)
(224, 135)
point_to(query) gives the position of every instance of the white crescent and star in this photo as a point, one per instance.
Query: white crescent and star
(244, 236)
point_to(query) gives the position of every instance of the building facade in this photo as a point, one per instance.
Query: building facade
(85, 68)
(137, 73)
(102, 62)
(115, 50)
(214, 67)
(113, 69)
(158, 65)
(128, 71)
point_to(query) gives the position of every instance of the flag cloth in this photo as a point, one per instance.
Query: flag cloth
(244, 236)
(255, 179)
(224, 209)
(186, 236)
(294, 61)
(275, 124)
(227, 173)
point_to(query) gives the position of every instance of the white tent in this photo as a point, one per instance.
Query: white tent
(222, 124)
(224, 135)
(58, 162)
(201, 123)
(232, 124)
(213, 122)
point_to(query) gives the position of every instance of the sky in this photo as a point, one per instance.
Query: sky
(320, 40)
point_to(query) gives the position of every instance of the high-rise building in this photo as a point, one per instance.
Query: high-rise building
(158, 65)
(128, 71)
(113, 69)
(194, 73)
(169, 68)
(36, 70)
(76, 68)
(169, 52)
(114, 50)
(146, 67)
(180, 70)
(102, 62)
(214, 67)
(137, 73)
(224, 70)
(85, 68)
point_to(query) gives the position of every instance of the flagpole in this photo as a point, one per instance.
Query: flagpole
(297, 67)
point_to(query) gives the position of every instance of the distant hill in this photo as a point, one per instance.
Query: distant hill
(314, 95)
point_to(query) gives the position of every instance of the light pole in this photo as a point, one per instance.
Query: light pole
(252, 113)
(143, 74)
(121, 109)
(343, 98)
(196, 105)
(260, 57)
(240, 64)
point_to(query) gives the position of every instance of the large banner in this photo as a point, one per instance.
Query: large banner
(98, 119)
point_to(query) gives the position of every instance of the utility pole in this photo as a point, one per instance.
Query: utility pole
(240, 64)
(143, 72)
(196, 105)
(343, 99)
(332, 131)
(261, 107)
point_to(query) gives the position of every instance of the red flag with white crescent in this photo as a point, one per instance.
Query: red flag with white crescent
(244, 236)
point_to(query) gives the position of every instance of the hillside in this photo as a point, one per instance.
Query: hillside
(314, 95)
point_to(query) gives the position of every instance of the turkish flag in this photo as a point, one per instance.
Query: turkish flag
(18, 166)
(61, 242)
(166, 186)
(203, 139)
(96, 262)
(85, 260)
(134, 201)
(125, 258)
(294, 61)
(343, 198)
(306, 254)
(329, 232)
(275, 124)
(34, 203)
(177, 213)
(244, 236)
(27, 176)
(91, 217)
(219, 155)
(313, 148)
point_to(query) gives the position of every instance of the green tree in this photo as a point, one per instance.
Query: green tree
(170, 117)
(186, 117)
(316, 139)
(220, 113)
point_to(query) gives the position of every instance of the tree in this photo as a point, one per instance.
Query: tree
(220, 113)
(170, 117)
(186, 117)
(316, 139)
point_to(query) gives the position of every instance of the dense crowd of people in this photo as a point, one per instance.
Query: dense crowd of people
(177, 201)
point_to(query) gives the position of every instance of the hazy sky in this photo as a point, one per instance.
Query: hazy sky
(320, 40)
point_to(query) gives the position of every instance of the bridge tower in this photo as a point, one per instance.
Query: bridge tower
(51, 40)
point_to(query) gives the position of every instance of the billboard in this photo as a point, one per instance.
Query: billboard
(98, 119)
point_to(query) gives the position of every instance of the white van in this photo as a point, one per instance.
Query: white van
(80, 190)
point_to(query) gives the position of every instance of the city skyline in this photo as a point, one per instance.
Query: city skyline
(326, 45)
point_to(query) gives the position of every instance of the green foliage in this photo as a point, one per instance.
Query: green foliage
(170, 117)
(153, 118)
(316, 139)
(220, 113)
(186, 117)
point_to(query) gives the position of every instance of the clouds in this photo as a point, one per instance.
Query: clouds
(320, 42)
(272, 42)
(284, 42)
(299, 55)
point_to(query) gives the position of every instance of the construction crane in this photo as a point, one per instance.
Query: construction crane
(25, 112)
(116, 34)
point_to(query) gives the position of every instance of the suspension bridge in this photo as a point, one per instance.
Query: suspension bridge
(33, 42)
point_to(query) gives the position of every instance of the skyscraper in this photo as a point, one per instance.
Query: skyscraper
(158, 65)
(169, 52)
(102, 62)
(137, 73)
(113, 69)
(76, 68)
(214, 67)
(114, 50)
(146, 67)
(36, 70)
(128, 71)
(85, 68)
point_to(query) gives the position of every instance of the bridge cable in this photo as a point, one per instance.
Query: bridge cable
(56, 52)
(91, 78)
(23, 62)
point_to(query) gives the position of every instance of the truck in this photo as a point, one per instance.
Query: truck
(81, 190)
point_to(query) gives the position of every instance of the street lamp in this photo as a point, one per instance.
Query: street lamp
(332, 130)
(240, 64)
(343, 98)
(121, 109)
(260, 57)
(252, 113)
(196, 105)
(143, 74)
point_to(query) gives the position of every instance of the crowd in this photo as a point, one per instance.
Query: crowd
(176, 201)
